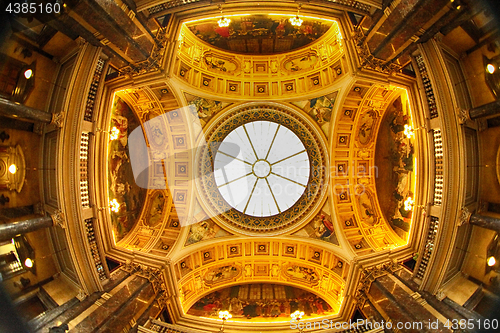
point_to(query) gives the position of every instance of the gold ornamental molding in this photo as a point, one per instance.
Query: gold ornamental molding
(368, 275)
(367, 60)
(315, 67)
(218, 265)
(155, 61)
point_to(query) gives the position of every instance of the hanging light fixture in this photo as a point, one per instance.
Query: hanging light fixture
(296, 21)
(224, 315)
(224, 21)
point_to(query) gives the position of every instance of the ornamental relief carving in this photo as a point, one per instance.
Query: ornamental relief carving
(195, 53)
(306, 276)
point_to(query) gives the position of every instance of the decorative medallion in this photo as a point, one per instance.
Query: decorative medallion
(257, 213)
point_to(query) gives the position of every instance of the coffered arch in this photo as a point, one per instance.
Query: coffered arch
(309, 265)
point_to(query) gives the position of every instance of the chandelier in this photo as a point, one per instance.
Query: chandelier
(296, 21)
(224, 21)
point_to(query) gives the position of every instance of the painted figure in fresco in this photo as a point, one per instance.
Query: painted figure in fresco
(201, 231)
(321, 109)
(251, 306)
(300, 272)
(213, 63)
(206, 108)
(221, 273)
(324, 229)
(365, 131)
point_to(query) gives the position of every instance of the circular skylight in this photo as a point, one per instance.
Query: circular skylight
(261, 168)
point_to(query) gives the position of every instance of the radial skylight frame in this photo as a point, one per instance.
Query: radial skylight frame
(270, 172)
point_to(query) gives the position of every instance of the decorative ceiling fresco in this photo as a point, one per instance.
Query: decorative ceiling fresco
(320, 109)
(394, 158)
(122, 186)
(261, 302)
(362, 170)
(312, 267)
(203, 231)
(278, 76)
(147, 221)
(206, 109)
(320, 227)
(259, 34)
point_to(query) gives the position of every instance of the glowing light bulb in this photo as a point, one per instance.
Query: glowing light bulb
(28, 263)
(114, 205)
(408, 204)
(296, 21)
(408, 131)
(28, 73)
(224, 22)
(490, 68)
(13, 169)
(225, 315)
(491, 261)
(113, 134)
(297, 315)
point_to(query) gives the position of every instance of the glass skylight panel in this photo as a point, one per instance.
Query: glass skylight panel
(269, 173)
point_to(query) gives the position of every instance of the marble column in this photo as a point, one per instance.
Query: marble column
(371, 312)
(10, 230)
(16, 110)
(487, 222)
(468, 314)
(56, 317)
(440, 306)
(404, 309)
(486, 110)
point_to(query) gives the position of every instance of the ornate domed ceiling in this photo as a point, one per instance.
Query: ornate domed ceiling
(226, 135)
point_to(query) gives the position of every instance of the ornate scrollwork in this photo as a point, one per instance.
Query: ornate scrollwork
(153, 275)
(57, 119)
(153, 63)
(367, 60)
(58, 219)
(465, 215)
(369, 275)
(463, 115)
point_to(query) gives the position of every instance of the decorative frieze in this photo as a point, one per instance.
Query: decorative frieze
(429, 247)
(89, 226)
(429, 92)
(89, 108)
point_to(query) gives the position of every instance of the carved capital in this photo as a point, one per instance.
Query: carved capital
(163, 300)
(440, 295)
(463, 115)
(57, 119)
(153, 275)
(58, 219)
(81, 295)
(465, 215)
(153, 63)
(368, 275)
